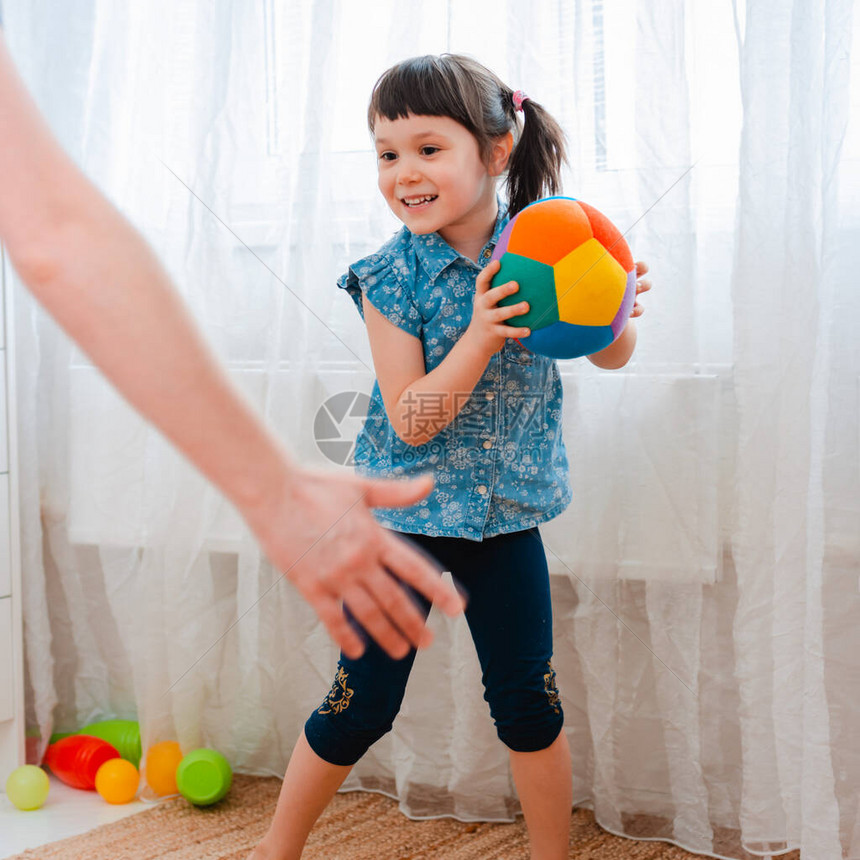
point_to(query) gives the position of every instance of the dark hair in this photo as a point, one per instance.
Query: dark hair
(461, 88)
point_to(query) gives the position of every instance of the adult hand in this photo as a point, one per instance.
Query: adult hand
(320, 533)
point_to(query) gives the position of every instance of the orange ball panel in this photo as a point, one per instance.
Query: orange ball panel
(609, 236)
(550, 231)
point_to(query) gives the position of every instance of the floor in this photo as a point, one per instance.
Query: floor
(67, 812)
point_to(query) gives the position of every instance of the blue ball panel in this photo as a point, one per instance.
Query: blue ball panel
(566, 340)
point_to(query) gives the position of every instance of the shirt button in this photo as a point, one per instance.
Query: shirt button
(482, 490)
(487, 254)
(490, 395)
(488, 443)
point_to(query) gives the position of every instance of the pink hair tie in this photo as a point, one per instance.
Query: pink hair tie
(518, 98)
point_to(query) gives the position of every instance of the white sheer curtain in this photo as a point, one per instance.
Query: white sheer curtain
(705, 577)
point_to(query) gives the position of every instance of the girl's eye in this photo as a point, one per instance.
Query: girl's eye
(387, 156)
(429, 150)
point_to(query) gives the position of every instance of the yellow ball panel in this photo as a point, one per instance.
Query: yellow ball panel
(590, 284)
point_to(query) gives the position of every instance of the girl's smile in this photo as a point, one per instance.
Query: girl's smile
(424, 200)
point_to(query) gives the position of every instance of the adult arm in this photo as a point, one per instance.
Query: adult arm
(101, 282)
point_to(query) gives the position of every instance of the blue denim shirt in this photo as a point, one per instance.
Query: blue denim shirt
(501, 465)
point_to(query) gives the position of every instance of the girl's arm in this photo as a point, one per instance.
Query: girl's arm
(98, 278)
(618, 353)
(420, 404)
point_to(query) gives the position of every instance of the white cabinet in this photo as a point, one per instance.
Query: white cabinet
(11, 629)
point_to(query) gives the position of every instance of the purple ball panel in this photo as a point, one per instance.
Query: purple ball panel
(623, 314)
(502, 244)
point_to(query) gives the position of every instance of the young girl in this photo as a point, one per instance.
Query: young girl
(456, 395)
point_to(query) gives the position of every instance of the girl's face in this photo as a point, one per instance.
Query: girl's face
(434, 180)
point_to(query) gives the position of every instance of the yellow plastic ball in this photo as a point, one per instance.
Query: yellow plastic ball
(27, 787)
(117, 781)
(162, 759)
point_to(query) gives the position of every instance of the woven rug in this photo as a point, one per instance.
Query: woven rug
(356, 826)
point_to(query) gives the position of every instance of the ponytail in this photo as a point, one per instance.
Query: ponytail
(534, 169)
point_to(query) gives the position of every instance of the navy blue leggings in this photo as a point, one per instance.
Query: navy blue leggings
(510, 618)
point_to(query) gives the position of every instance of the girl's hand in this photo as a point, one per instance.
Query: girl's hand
(487, 330)
(642, 286)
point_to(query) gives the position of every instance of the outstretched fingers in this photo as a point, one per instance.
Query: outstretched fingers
(330, 611)
(393, 609)
(410, 564)
(370, 614)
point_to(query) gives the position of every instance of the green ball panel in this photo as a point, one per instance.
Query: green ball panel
(537, 287)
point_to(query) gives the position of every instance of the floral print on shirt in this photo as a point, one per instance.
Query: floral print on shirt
(501, 465)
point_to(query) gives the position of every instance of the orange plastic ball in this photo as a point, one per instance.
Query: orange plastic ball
(162, 759)
(117, 781)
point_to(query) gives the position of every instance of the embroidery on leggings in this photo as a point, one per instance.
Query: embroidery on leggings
(338, 697)
(551, 689)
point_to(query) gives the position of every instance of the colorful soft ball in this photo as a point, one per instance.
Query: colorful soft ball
(575, 270)
(117, 781)
(27, 787)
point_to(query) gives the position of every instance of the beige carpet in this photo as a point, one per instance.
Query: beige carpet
(357, 826)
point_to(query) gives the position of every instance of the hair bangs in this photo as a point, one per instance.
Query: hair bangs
(422, 86)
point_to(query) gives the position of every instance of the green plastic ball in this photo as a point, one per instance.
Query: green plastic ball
(27, 787)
